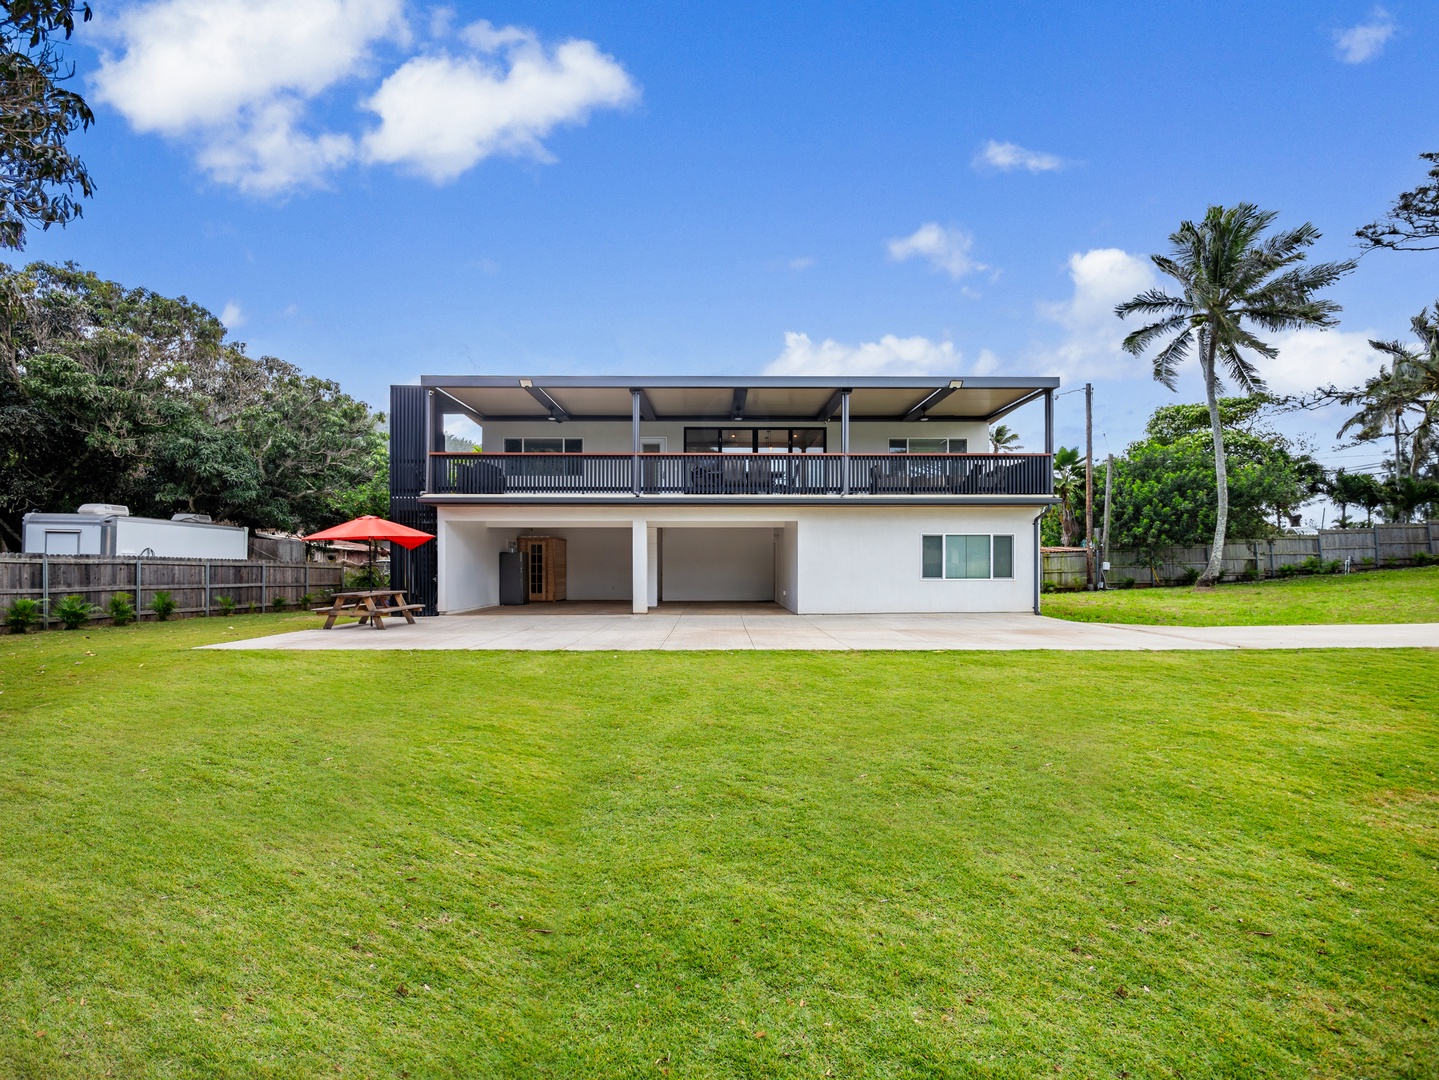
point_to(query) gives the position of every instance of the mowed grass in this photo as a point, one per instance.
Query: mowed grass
(1376, 596)
(713, 865)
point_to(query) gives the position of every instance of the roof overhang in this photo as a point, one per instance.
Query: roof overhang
(727, 399)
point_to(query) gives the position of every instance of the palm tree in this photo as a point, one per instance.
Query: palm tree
(1230, 275)
(1003, 440)
(1409, 383)
(1068, 486)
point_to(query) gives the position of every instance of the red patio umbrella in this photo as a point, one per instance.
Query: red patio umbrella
(372, 528)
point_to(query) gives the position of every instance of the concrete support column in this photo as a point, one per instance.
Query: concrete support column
(640, 566)
(844, 437)
(652, 566)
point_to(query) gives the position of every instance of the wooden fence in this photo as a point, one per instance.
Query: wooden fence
(197, 585)
(1381, 545)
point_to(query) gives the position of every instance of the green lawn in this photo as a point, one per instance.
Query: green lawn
(1378, 596)
(713, 865)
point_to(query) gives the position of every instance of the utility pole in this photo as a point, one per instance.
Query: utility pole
(1108, 486)
(1089, 486)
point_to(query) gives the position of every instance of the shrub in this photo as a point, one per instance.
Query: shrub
(1423, 558)
(1334, 566)
(1288, 570)
(163, 605)
(22, 615)
(226, 604)
(74, 612)
(120, 610)
(1189, 575)
(365, 577)
(1126, 583)
(1249, 574)
(280, 603)
(250, 608)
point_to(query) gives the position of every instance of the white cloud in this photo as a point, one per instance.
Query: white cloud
(1102, 278)
(890, 355)
(945, 249)
(236, 79)
(440, 114)
(1007, 156)
(269, 154)
(236, 74)
(1357, 44)
(1309, 359)
(232, 316)
(1090, 347)
(804, 262)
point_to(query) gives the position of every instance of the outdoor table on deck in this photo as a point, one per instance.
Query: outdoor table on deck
(371, 605)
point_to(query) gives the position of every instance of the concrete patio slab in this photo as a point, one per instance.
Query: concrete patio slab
(592, 627)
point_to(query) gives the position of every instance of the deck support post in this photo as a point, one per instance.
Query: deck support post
(639, 566)
(635, 396)
(1049, 423)
(844, 438)
(429, 485)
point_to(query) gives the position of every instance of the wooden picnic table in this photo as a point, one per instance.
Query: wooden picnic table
(371, 605)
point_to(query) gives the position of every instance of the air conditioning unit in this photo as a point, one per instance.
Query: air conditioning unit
(198, 519)
(104, 509)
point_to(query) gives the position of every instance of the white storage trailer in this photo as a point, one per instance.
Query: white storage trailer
(106, 529)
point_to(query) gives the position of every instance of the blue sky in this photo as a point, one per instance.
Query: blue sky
(375, 190)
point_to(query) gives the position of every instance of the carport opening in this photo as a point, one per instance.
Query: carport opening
(597, 561)
(732, 565)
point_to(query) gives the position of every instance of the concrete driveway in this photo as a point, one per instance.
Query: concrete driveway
(597, 626)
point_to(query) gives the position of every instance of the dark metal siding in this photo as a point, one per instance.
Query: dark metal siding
(414, 571)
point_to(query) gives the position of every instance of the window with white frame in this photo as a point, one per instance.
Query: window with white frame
(544, 446)
(951, 557)
(929, 446)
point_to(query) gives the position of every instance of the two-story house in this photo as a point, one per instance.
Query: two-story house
(823, 495)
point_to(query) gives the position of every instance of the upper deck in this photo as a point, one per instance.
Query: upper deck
(718, 438)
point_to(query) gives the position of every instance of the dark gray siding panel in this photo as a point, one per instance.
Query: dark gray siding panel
(414, 571)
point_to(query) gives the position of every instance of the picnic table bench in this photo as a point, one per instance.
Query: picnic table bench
(371, 605)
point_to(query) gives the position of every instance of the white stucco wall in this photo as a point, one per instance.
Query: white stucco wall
(854, 558)
(617, 438)
(786, 565)
(870, 562)
(719, 564)
(597, 563)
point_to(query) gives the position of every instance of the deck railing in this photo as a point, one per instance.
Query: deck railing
(741, 474)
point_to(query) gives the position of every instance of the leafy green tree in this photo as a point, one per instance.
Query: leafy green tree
(1164, 484)
(1403, 495)
(372, 495)
(1403, 398)
(38, 174)
(1231, 277)
(115, 394)
(1355, 489)
(1412, 223)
